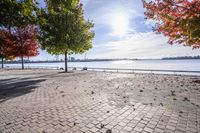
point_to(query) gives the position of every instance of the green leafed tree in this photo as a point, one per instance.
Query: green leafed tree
(65, 31)
(19, 13)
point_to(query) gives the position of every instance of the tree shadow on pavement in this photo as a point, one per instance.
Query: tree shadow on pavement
(14, 87)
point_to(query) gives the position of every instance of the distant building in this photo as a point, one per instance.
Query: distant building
(56, 57)
(72, 59)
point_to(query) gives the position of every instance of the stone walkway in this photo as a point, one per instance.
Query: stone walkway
(42, 101)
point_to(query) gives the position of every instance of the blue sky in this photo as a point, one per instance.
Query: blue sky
(122, 32)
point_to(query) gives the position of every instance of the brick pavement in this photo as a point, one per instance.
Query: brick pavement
(52, 102)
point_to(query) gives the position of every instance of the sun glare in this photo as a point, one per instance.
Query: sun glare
(119, 23)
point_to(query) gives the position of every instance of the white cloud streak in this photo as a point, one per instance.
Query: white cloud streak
(141, 45)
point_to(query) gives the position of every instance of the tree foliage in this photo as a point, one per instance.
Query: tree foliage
(21, 42)
(65, 29)
(6, 45)
(177, 19)
(17, 13)
(25, 42)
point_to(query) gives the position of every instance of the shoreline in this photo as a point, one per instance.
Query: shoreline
(100, 60)
(110, 70)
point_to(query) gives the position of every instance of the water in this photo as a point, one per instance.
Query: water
(185, 65)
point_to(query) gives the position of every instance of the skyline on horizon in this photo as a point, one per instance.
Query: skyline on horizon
(121, 31)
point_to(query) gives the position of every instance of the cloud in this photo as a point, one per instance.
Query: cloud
(140, 45)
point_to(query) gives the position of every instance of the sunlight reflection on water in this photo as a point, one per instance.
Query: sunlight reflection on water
(186, 65)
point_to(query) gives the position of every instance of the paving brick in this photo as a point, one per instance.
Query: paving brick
(138, 129)
(52, 107)
(94, 129)
(158, 130)
(149, 130)
(127, 128)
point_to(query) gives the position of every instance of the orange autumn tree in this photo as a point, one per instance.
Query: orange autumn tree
(26, 42)
(6, 46)
(179, 20)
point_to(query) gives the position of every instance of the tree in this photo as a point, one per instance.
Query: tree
(177, 19)
(25, 42)
(18, 13)
(6, 46)
(65, 31)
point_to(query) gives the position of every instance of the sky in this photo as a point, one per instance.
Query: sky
(121, 31)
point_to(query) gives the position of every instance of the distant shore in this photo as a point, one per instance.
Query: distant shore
(98, 60)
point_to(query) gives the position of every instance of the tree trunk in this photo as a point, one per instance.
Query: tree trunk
(22, 59)
(66, 69)
(2, 66)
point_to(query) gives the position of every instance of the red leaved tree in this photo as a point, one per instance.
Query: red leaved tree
(26, 42)
(6, 46)
(179, 20)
